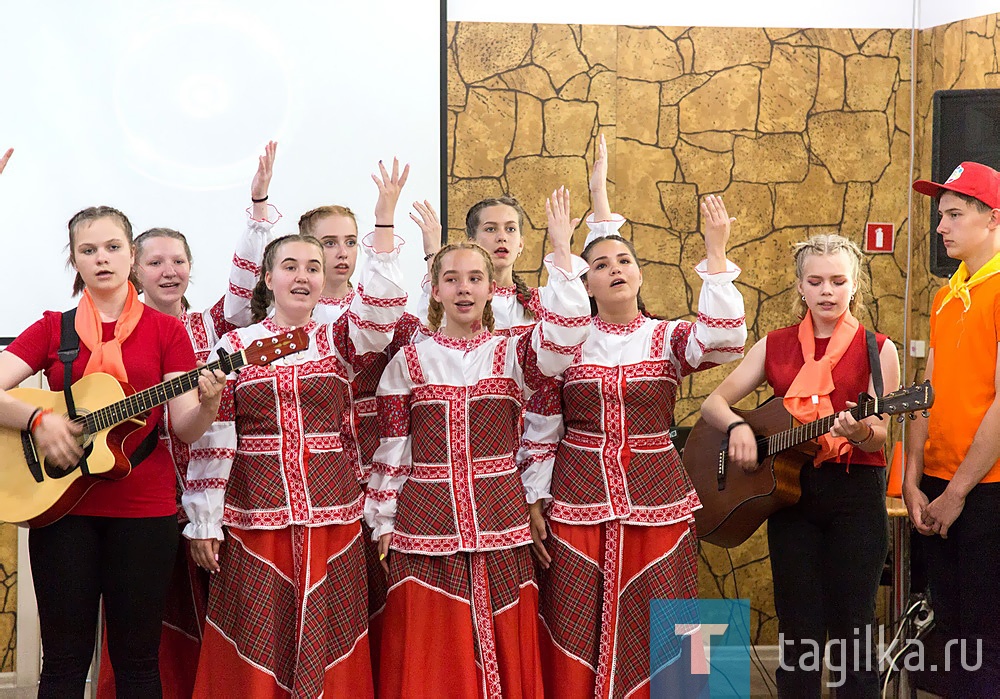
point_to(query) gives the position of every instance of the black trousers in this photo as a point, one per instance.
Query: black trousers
(963, 572)
(75, 562)
(827, 555)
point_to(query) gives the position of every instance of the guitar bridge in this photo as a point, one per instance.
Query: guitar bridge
(31, 456)
(720, 473)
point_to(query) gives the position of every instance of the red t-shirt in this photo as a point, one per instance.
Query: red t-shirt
(158, 345)
(850, 376)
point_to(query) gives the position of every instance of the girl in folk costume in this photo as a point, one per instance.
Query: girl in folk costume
(827, 551)
(495, 225)
(163, 269)
(445, 495)
(287, 613)
(621, 516)
(119, 541)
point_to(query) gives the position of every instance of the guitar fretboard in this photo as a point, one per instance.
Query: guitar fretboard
(780, 441)
(145, 400)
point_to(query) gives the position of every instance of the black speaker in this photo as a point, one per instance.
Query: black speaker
(966, 127)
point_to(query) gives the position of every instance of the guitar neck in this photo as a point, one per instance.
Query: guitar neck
(145, 400)
(781, 441)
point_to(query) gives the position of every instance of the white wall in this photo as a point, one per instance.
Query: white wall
(935, 12)
(161, 108)
(719, 13)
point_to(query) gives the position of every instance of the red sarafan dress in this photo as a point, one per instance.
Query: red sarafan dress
(621, 513)
(459, 616)
(187, 595)
(287, 614)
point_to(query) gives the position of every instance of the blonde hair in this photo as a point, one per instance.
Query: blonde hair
(435, 312)
(831, 244)
(308, 220)
(262, 296)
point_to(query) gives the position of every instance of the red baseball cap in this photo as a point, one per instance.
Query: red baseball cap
(973, 179)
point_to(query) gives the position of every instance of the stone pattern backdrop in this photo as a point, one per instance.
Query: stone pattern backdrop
(801, 131)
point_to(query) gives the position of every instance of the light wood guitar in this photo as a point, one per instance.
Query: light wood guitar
(735, 503)
(35, 493)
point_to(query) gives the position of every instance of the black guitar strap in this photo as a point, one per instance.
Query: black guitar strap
(874, 364)
(69, 349)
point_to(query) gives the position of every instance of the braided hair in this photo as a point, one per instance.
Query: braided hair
(831, 244)
(435, 313)
(263, 297)
(522, 292)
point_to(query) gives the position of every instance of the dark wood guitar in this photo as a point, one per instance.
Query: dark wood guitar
(35, 493)
(735, 503)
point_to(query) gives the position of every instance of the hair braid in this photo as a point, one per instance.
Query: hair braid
(262, 298)
(522, 292)
(435, 313)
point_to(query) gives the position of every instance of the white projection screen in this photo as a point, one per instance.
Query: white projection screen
(162, 108)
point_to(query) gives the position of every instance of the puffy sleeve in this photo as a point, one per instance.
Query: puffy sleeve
(602, 229)
(246, 266)
(368, 324)
(563, 323)
(543, 430)
(720, 331)
(211, 461)
(392, 462)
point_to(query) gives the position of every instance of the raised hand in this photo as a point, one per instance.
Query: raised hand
(561, 226)
(599, 183)
(717, 226)
(5, 158)
(389, 188)
(427, 220)
(262, 180)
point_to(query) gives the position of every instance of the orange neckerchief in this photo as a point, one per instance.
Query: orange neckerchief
(961, 281)
(107, 356)
(808, 398)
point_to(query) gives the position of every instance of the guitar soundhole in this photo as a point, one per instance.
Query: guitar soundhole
(56, 472)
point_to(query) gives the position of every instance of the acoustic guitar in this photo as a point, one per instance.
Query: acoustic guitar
(735, 503)
(35, 493)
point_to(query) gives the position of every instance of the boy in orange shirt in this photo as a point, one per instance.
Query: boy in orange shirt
(952, 479)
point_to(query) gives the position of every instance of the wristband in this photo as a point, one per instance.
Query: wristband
(36, 419)
(259, 201)
(429, 256)
(871, 433)
(384, 225)
(734, 425)
(31, 420)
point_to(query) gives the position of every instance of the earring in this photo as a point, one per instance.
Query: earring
(803, 297)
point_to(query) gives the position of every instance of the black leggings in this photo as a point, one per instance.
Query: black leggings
(78, 560)
(827, 553)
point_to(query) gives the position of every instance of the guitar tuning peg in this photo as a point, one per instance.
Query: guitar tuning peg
(925, 412)
(913, 416)
(900, 419)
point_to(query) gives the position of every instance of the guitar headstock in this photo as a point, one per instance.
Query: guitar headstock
(265, 351)
(907, 400)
